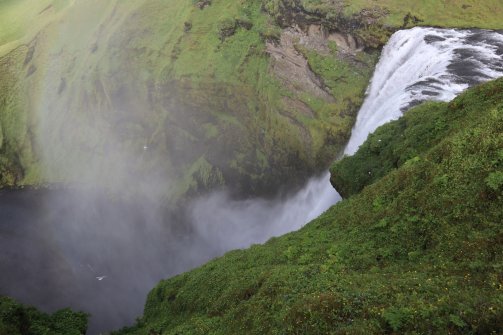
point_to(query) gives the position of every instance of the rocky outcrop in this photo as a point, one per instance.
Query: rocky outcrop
(292, 68)
(358, 31)
(345, 42)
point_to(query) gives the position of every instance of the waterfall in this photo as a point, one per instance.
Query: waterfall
(425, 64)
(416, 65)
(103, 256)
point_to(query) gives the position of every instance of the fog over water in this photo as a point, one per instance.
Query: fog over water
(100, 252)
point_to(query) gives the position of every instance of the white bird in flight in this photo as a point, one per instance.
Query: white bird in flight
(101, 278)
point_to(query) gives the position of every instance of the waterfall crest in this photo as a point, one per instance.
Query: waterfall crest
(416, 65)
(425, 64)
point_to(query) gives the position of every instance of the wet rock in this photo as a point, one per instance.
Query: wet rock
(228, 27)
(409, 18)
(433, 38)
(345, 42)
(62, 86)
(203, 4)
(29, 55)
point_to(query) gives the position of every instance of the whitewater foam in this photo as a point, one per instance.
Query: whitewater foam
(425, 64)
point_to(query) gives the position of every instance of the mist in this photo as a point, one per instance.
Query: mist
(228, 224)
(107, 228)
(84, 249)
(108, 224)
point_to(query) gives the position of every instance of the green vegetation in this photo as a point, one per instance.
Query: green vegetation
(345, 79)
(417, 247)
(374, 21)
(193, 80)
(417, 251)
(16, 16)
(16, 156)
(454, 13)
(402, 141)
(16, 319)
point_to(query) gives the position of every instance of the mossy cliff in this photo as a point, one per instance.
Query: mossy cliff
(194, 94)
(184, 90)
(372, 22)
(417, 251)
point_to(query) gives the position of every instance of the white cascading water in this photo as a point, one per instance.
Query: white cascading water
(425, 64)
(232, 224)
(416, 65)
(103, 256)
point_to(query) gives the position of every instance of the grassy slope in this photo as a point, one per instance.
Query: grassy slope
(447, 13)
(374, 21)
(210, 110)
(17, 17)
(418, 251)
(16, 319)
(233, 63)
(390, 147)
(16, 156)
(215, 99)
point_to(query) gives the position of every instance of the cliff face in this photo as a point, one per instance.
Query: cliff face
(207, 94)
(198, 94)
(191, 95)
(416, 251)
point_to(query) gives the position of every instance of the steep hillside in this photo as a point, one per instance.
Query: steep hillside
(188, 86)
(189, 95)
(398, 142)
(417, 251)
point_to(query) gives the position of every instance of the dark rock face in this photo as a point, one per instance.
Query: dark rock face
(365, 25)
(410, 19)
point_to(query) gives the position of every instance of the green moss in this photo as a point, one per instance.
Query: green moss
(346, 79)
(16, 155)
(138, 58)
(415, 252)
(199, 176)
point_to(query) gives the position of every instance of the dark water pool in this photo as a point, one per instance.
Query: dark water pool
(88, 251)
